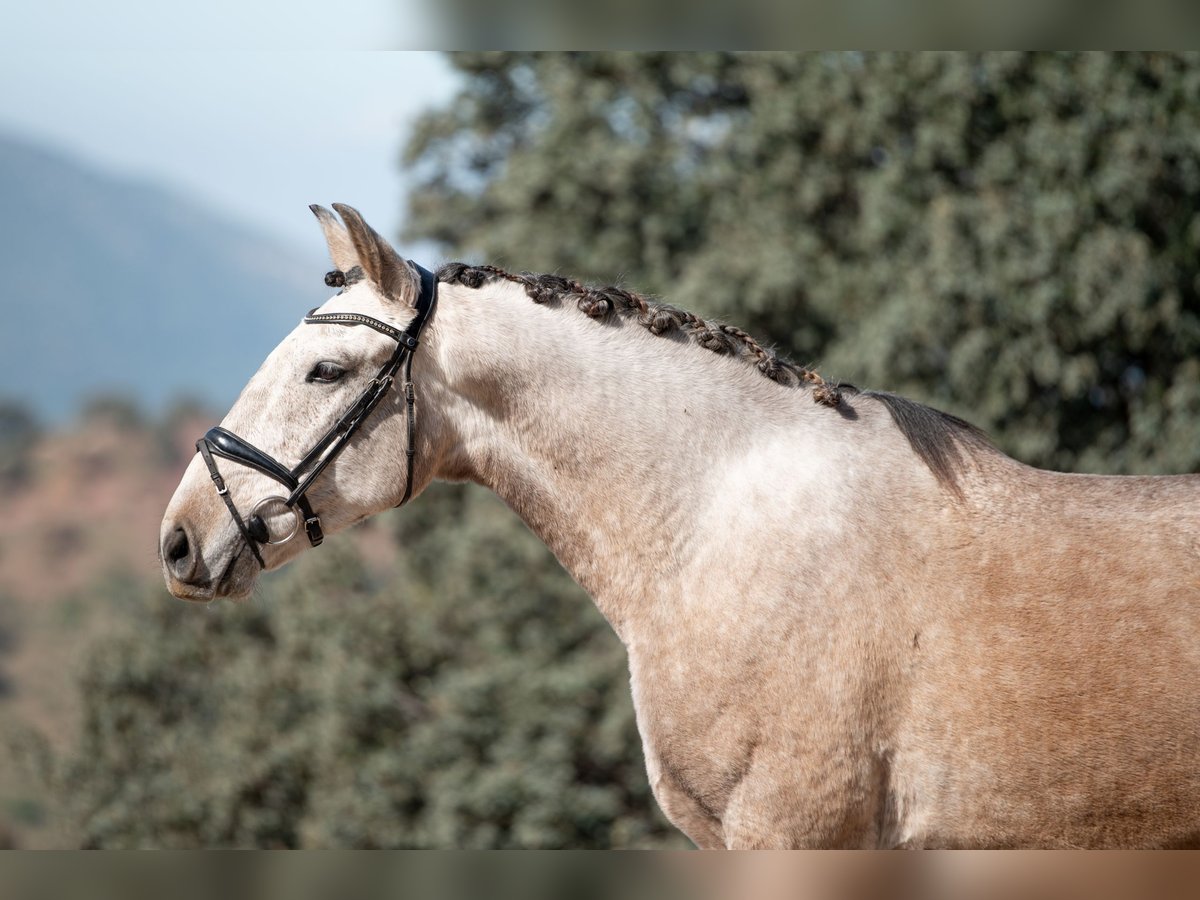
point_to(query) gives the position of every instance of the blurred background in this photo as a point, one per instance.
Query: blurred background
(1014, 238)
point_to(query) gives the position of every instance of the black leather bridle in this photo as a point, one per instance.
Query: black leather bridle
(221, 442)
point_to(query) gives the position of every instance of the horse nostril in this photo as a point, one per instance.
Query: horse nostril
(177, 546)
(258, 529)
(177, 551)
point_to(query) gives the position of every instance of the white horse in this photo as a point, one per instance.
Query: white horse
(850, 622)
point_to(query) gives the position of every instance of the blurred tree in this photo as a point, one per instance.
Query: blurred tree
(1013, 237)
(9, 638)
(119, 410)
(175, 429)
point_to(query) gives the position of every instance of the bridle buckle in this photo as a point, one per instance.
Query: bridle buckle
(312, 527)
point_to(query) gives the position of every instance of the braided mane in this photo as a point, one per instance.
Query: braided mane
(658, 318)
(940, 440)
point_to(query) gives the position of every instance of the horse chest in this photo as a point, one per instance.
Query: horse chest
(697, 737)
(746, 746)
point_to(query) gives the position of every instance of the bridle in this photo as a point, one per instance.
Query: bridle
(221, 442)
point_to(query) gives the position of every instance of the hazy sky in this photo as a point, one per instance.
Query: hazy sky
(260, 133)
(125, 25)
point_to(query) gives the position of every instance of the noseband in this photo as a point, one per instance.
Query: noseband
(224, 443)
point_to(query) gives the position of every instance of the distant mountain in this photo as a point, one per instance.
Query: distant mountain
(114, 285)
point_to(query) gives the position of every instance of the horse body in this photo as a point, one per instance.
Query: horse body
(1052, 702)
(832, 641)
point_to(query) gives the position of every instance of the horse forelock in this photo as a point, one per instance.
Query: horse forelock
(941, 441)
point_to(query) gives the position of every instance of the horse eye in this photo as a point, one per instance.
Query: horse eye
(325, 372)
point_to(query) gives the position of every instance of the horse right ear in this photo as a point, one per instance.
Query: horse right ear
(341, 248)
(382, 265)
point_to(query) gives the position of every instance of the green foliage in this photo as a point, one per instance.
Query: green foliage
(1012, 237)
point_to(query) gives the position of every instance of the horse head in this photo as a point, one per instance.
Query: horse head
(321, 437)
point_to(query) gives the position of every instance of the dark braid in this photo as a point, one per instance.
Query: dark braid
(598, 303)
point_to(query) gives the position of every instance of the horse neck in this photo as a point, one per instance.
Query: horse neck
(606, 440)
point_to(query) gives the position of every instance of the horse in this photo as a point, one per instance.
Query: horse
(851, 621)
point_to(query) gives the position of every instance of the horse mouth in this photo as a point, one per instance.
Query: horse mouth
(235, 583)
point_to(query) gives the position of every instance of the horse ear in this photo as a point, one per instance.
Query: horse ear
(382, 265)
(341, 250)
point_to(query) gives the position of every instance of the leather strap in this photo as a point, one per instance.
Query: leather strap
(223, 492)
(410, 399)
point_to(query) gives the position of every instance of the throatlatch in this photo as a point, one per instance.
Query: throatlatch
(221, 442)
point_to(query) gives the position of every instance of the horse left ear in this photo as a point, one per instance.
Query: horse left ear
(382, 265)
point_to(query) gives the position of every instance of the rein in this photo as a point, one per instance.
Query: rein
(221, 442)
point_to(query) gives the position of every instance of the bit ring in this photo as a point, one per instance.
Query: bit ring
(297, 517)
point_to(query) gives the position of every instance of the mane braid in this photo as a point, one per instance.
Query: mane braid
(941, 441)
